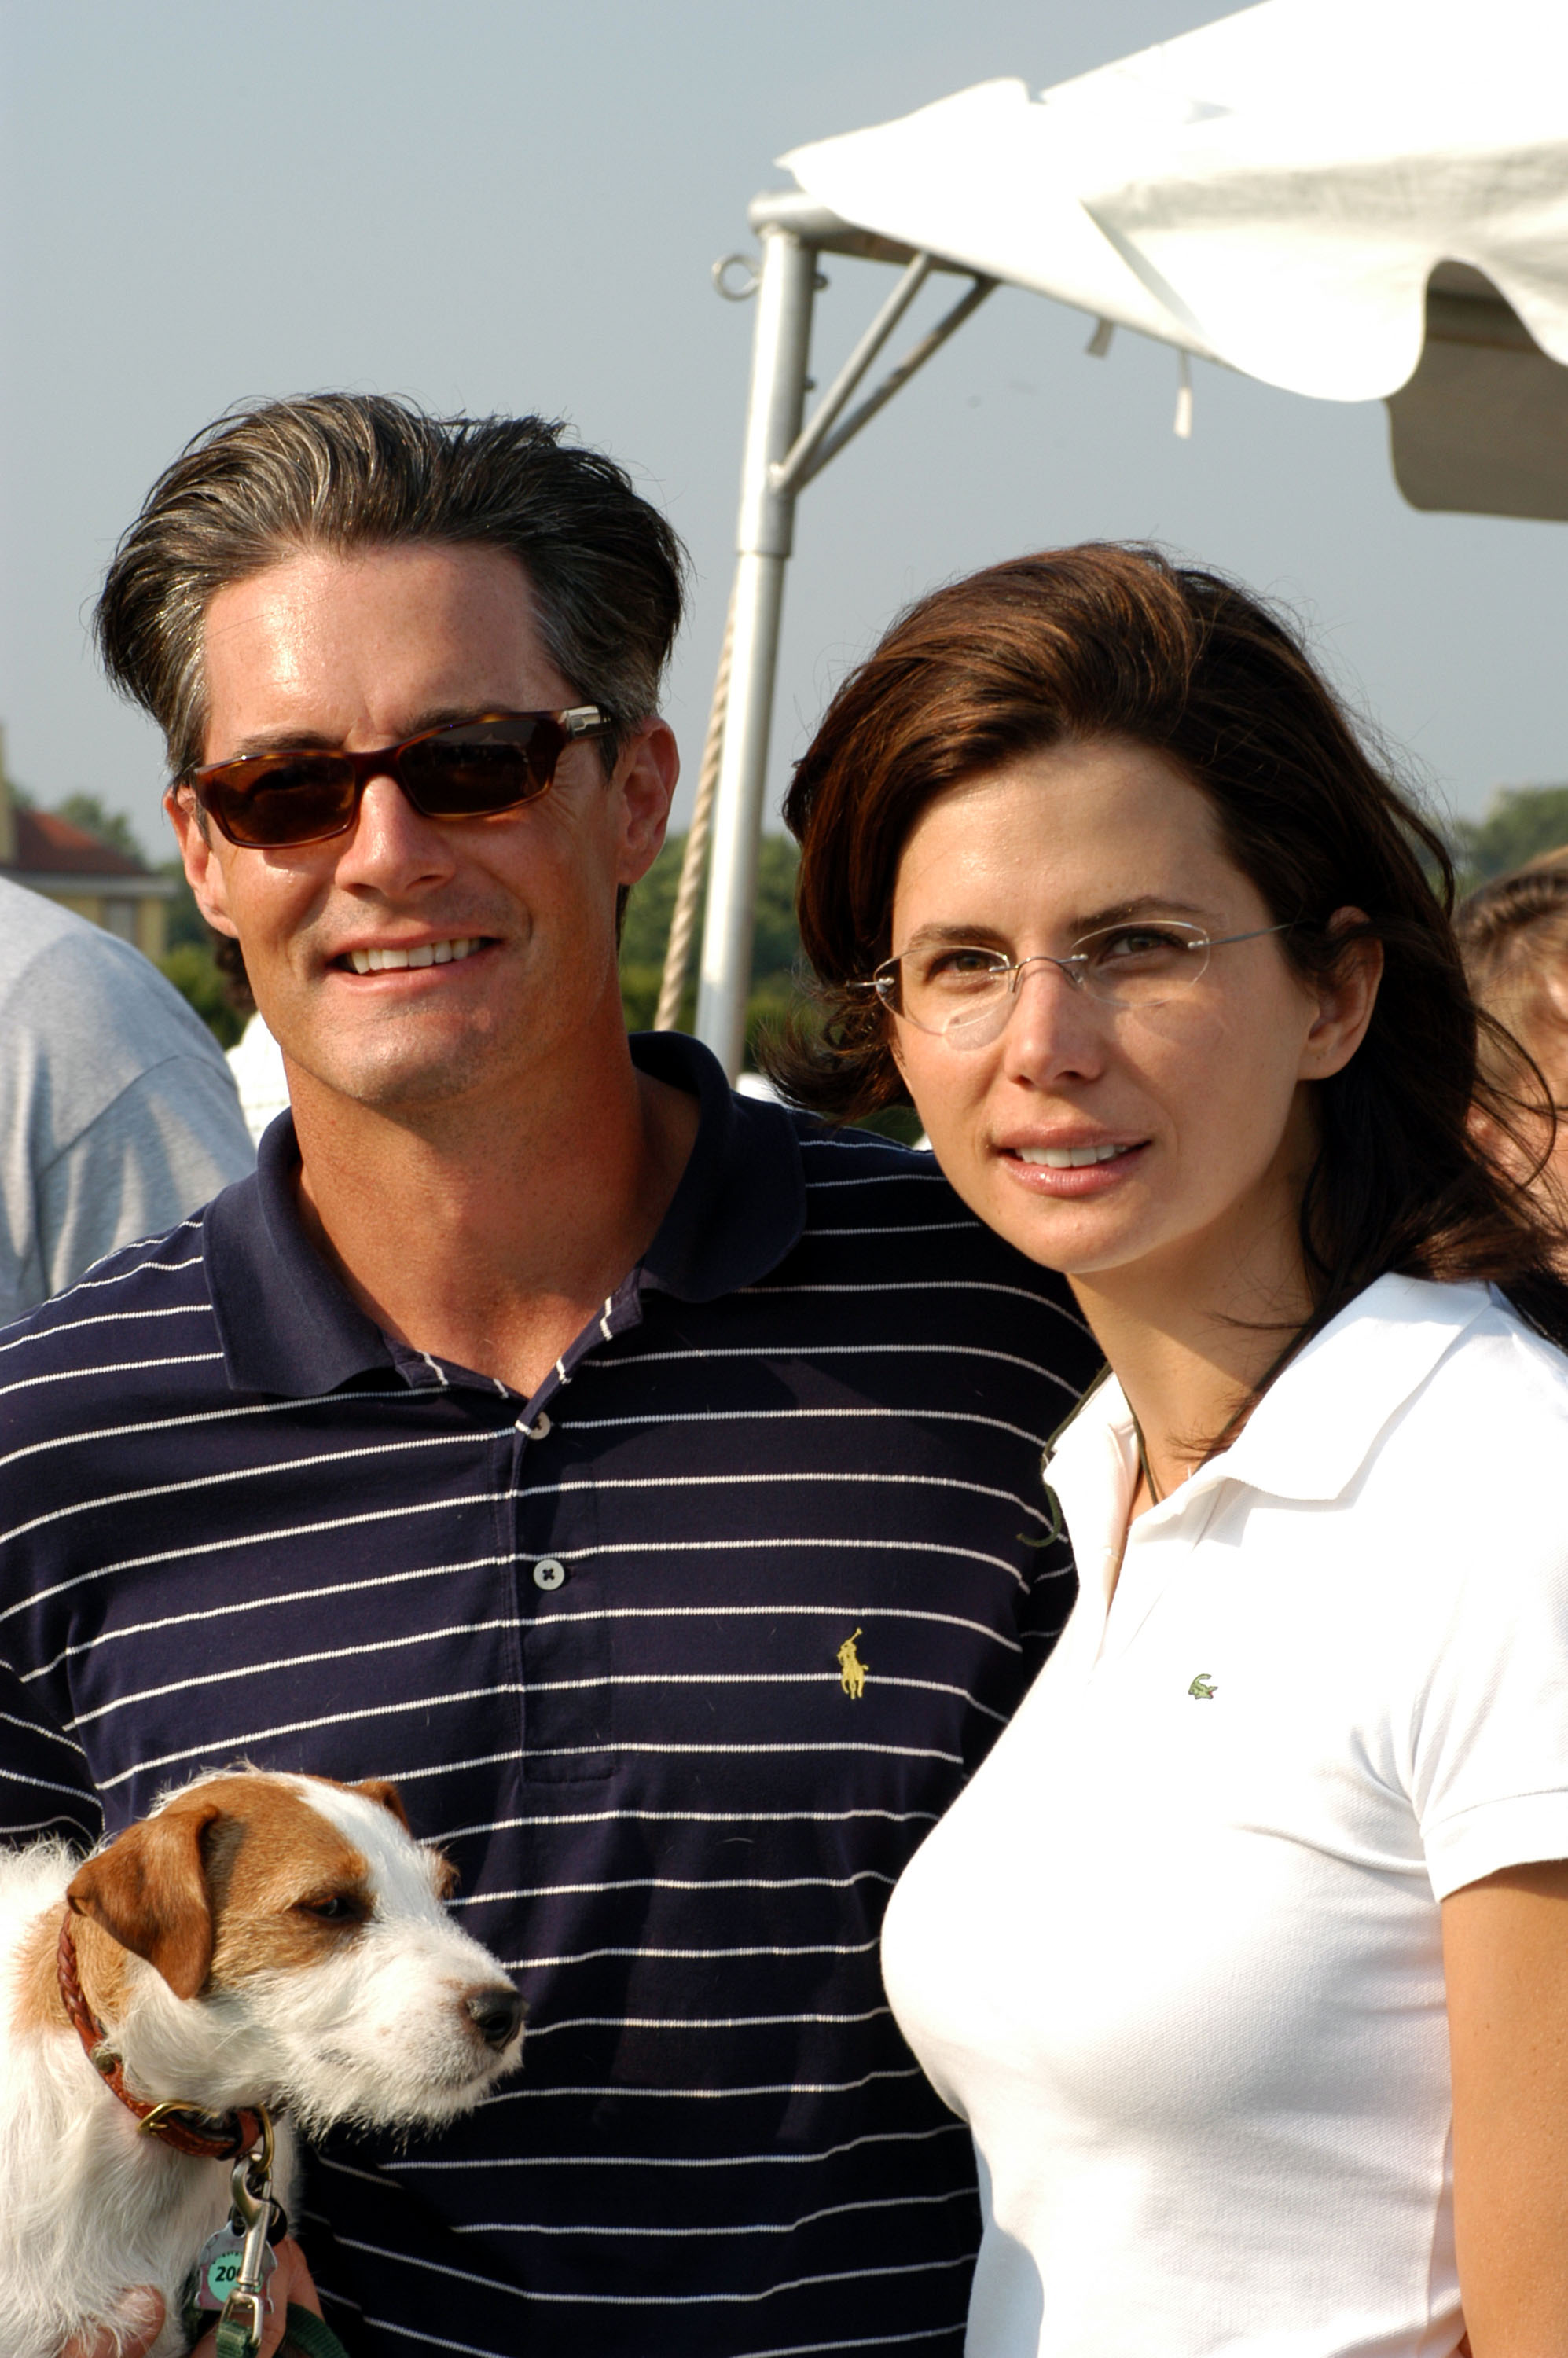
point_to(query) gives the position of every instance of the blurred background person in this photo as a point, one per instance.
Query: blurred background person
(1513, 934)
(118, 1113)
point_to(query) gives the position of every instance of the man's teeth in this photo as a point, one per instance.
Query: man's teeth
(425, 954)
(1069, 1158)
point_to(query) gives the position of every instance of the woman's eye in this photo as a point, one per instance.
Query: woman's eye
(1139, 943)
(964, 965)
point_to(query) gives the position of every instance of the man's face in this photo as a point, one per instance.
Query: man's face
(362, 651)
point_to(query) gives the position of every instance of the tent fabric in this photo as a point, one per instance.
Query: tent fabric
(1274, 190)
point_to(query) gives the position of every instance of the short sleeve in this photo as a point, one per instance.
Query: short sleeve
(1489, 1762)
(167, 1144)
(45, 1787)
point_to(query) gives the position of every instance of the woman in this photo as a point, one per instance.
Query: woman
(1513, 937)
(1245, 1953)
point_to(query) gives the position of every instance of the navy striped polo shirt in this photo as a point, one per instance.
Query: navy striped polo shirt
(678, 1659)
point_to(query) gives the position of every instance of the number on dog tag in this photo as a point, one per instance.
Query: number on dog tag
(218, 2269)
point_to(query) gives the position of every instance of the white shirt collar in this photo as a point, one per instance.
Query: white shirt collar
(1310, 1434)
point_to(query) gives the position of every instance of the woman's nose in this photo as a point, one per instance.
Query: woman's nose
(1054, 1027)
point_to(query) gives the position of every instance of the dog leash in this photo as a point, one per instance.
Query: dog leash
(255, 2221)
(204, 2137)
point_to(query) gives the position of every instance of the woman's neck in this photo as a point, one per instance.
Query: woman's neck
(1190, 1337)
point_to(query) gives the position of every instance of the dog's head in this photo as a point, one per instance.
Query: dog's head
(296, 1952)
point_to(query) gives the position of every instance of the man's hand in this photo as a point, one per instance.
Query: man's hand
(143, 2311)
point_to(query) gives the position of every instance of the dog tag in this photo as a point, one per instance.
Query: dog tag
(218, 2269)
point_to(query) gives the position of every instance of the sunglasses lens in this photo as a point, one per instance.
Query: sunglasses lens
(296, 798)
(481, 766)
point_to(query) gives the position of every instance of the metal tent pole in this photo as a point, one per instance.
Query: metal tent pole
(778, 460)
(785, 287)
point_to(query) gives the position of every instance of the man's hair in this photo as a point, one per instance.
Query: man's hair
(346, 472)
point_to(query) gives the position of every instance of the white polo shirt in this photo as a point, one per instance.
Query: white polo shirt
(1176, 1952)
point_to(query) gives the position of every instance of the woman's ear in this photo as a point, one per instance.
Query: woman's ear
(1346, 998)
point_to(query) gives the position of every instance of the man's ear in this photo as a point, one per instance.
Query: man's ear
(646, 775)
(203, 869)
(148, 1891)
(376, 1788)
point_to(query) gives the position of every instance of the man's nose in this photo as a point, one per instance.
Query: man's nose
(390, 837)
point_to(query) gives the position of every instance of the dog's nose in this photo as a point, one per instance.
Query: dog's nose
(496, 2014)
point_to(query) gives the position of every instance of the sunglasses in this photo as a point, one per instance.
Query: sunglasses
(471, 769)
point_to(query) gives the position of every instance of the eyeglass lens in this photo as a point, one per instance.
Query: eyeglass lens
(944, 989)
(470, 771)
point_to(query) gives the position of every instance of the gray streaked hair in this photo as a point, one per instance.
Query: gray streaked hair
(341, 471)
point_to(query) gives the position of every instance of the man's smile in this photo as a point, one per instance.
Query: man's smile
(379, 960)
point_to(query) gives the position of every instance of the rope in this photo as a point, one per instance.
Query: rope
(683, 922)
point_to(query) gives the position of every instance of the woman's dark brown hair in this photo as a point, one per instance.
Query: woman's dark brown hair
(1105, 642)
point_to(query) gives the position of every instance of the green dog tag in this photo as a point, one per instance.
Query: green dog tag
(218, 2269)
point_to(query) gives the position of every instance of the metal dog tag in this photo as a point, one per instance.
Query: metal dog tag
(218, 2269)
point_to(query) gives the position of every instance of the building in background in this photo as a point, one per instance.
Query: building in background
(63, 862)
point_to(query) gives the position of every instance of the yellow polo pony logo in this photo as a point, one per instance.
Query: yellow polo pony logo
(851, 1670)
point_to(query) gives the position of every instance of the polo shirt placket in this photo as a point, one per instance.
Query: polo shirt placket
(601, 1640)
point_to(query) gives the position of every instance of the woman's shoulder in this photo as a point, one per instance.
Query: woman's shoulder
(1498, 1357)
(1486, 1429)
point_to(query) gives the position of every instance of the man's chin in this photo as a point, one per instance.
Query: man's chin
(399, 1080)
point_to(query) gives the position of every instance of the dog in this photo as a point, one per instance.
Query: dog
(255, 1940)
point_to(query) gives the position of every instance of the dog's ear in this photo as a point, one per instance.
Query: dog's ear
(148, 1891)
(447, 1875)
(376, 1788)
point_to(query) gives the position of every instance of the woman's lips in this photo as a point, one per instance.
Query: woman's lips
(1074, 1171)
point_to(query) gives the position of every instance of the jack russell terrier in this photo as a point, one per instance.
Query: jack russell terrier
(257, 1942)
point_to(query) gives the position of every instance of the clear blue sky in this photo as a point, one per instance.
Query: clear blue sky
(500, 204)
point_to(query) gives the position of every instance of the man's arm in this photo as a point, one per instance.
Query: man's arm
(45, 1787)
(1504, 1950)
(168, 1143)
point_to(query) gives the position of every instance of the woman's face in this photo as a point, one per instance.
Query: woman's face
(1199, 1105)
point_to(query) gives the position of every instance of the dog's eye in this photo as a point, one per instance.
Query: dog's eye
(337, 1908)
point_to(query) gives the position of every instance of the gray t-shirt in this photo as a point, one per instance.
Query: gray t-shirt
(118, 1114)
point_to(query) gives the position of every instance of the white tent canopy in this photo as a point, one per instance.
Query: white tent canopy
(1348, 199)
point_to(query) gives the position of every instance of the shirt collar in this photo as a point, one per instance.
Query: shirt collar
(287, 1324)
(1310, 1434)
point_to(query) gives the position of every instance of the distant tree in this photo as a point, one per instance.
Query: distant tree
(1522, 822)
(111, 828)
(775, 953)
(778, 964)
(189, 966)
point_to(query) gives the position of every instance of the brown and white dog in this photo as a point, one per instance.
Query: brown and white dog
(257, 1940)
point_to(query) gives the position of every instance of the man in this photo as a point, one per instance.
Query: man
(644, 1478)
(118, 1114)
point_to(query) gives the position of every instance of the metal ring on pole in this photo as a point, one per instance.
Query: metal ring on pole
(728, 262)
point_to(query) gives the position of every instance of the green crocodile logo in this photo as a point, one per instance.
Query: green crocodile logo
(1202, 1689)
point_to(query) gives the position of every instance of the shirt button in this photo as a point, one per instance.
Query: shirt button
(550, 1573)
(538, 1431)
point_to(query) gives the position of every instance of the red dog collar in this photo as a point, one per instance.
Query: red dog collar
(204, 2136)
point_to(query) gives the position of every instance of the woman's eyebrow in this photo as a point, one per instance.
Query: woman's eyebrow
(947, 935)
(1146, 904)
(960, 935)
